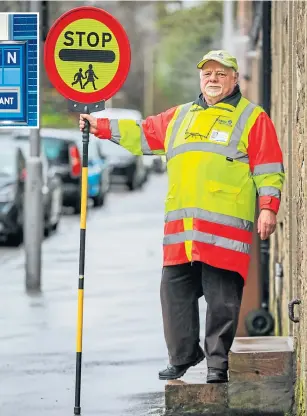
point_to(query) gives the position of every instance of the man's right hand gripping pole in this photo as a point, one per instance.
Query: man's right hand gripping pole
(92, 121)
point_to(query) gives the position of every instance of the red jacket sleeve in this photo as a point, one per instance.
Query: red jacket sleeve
(266, 162)
(103, 128)
(154, 128)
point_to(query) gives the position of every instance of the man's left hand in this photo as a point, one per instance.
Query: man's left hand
(266, 223)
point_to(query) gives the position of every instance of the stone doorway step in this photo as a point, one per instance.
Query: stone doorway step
(261, 382)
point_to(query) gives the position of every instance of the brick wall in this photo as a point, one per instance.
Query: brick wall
(289, 113)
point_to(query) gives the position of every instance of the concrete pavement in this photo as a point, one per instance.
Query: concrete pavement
(123, 339)
(123, 343)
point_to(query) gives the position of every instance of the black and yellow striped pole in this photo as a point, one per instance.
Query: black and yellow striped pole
(84, 181)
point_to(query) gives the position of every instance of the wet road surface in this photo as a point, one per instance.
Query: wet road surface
(123, 344)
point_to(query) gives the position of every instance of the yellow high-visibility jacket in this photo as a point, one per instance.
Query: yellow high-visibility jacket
(218, 159)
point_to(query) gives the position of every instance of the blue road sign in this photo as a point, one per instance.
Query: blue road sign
(19, 72)
(13, 86)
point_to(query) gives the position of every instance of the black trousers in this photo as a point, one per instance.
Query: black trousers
(181, 287)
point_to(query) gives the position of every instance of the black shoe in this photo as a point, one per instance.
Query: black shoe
(216, 375)
(172, 372)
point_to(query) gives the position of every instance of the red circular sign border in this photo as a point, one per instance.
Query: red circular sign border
(87, 12)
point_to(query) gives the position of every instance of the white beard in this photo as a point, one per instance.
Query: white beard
(213, 92)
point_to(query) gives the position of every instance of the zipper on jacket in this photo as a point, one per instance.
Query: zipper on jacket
(222, 108)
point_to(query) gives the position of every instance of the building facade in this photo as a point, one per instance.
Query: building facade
(289, 113)
(288, 110)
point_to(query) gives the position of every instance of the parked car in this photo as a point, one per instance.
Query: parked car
(127, 168)
(63, 148)
(155, 163)
(99, 172)
(13, 173)
(12, 180)
(52, 190)
(62, 151)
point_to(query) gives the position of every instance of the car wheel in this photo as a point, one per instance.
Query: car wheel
(132, 184)
(77, 207)
(47, 230)
(99, 199)
(15, 239)
(55, 226)
(59, 203)
(47, 223)
(259, 323)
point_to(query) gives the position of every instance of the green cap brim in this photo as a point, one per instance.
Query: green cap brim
(202, 62)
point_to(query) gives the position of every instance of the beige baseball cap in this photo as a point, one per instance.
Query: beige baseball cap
(223, 57)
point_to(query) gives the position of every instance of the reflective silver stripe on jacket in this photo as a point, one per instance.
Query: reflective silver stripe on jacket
(214, 217)
(269, 191)
(146, 150)
(240, 124)
(229, 151)
(268, 168)
(192, 235)
(182, 113)
(115, 131)
(116, 136)
(211, 147)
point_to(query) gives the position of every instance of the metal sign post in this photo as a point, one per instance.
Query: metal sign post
(85, 141)
(85, 109)
(33, 224)
(87, 59)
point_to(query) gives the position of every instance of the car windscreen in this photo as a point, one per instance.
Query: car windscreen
(112, 149)
(56, 150)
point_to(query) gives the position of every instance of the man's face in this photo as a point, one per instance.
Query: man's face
(216, 81)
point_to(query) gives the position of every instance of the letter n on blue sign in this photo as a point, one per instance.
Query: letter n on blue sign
(11, 57)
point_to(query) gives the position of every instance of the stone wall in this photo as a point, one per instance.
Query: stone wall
(249, 85)
(289, 113)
